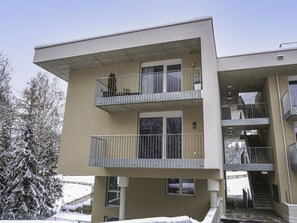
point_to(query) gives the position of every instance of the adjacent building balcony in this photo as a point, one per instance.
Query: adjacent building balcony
(149, 90)
(249, 159)
(249, 116)
(290, 104)
(148, 151)
(293, 156)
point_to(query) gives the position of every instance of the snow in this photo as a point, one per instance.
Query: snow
(181, 219)
(83, 179)
(75, 191)
(235, 186)
(71, 217)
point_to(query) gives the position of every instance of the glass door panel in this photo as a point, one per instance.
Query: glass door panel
(152, 79)
(150, 139)
(174, 138)
(173, 78)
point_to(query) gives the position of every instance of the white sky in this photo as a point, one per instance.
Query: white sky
(240, 26)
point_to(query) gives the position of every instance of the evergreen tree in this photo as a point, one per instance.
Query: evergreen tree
(32, 184)
(42, 109)
(6, 123)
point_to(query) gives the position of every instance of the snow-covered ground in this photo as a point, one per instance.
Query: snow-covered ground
(235, 186)
(83, 179)
(74, 191)
(71, 217)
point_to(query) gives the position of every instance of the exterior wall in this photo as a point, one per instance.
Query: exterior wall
(274, 137)
(211, 103)
(83, 119)
(146, 197)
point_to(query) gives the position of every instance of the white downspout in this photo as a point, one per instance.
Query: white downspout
(284, 140)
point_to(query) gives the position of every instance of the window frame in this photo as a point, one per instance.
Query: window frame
(180, 188)
(108, 190)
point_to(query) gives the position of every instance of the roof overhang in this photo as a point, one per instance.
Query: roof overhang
(247, 73)
(157, 43)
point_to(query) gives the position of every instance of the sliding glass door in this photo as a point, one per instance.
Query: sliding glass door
(160, 137)
(163, 76)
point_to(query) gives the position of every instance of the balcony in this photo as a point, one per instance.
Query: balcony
(147, 91)
(249, 159)
(290, 104)
(148, 151)
(249, 116)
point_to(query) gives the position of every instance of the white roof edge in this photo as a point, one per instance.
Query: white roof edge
(260, 52)
(196, 19)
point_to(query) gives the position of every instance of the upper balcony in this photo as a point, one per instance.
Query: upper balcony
(290, 104)
(148, 151)
(150, 90)
(249, 116)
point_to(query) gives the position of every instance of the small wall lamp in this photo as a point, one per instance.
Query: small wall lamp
(194, 125)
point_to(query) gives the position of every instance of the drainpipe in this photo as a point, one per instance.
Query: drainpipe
(123, 184)
(284, 140)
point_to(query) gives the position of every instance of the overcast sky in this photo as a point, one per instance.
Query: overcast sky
(240, 26)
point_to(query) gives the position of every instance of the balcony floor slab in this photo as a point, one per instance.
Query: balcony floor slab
(150, 163)
(145, 102)
(249, 167)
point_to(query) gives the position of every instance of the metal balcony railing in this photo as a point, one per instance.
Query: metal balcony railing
(149, 87)
(148, 151)
(244, 111)
(248, 155)
(289, 101)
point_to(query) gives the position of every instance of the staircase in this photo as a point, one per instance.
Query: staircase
(261, 191)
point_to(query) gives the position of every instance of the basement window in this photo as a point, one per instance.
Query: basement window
(177, 186)
(108, 218)
(113, 192)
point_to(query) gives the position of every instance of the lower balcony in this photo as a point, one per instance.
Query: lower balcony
(148, 151)
(289, 101)
(150, 90)
(248, 159)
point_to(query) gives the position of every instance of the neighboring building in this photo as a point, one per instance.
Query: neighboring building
(166, 111)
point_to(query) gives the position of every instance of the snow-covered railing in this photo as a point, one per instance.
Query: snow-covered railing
(148, 150)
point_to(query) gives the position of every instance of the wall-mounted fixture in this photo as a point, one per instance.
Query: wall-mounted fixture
(193, 64)
(194, 125)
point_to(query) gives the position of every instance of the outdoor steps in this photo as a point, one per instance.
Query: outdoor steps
(262, 197)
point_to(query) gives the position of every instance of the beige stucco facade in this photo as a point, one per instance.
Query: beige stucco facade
(192, 45)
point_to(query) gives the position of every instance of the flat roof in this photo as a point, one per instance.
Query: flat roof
(196, 19)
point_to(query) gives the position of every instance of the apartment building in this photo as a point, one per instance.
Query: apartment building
(158, 119)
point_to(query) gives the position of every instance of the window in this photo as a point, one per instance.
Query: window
(108, 218)
(113, 192)
(177, 186)
(160, 135)
(161, 76)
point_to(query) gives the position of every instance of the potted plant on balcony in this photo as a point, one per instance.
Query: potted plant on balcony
(111, 86)
(197, 85)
